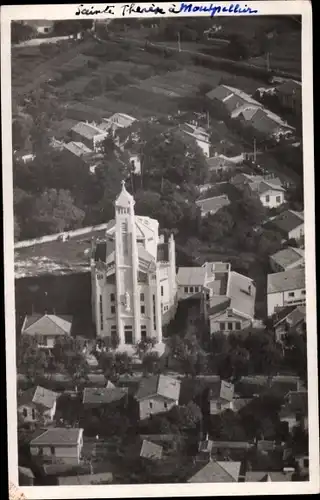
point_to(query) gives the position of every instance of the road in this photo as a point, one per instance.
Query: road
(34, 42)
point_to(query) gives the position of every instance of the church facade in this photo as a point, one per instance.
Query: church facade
(133, 273)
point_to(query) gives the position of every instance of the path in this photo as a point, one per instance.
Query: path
(34, 42)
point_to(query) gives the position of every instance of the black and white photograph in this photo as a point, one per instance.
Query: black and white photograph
(161, 317)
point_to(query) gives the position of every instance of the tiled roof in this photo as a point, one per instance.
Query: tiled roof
(103, 395)
(217, 472)
(287, 221)
(240, 445)
(159, 385)
(260, 477)
(150, 450)
(191, 276)
(39, 396)
(58, 437)
(288, 256)
(45, 397)
(47, 324)
(265, 186)
(216, 162)
(242, 300)
(77, 148)
(83, 479)
(213, 204)
(86, 130)
(287, 280)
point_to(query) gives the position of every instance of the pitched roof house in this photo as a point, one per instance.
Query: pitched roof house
(295, 409)
(97, 397)
(269, 189)
(157, 394)
(212, 205)
(290, 223)
(290, 319)
(217, 472)
(287, 258)
(271, 476)
(37, 404)
(47, 327)
(223, 400)
(151, 450)
(58, 444)
(231, 97)
(285, 289)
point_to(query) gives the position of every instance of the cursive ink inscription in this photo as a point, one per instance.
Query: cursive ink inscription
(92, 11)
(211, 9)
(180, 8)
(136, 9)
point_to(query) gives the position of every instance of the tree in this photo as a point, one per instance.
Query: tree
(145, 345)
(21, 31)
(234, 364)
(151, 362)
(295, 346)
(56, 212)
(237, 48)
(31, 361)
(71, 27)
(185, 416)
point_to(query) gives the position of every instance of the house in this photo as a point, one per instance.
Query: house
(227, 298)
(58, 445)
(294, 411)
(191, 281)
(210, 206)
(269, 189)
(26, 476)
(86, 479)
(231, 98)
(104, 396)
(42, 27)
(88, 134)
(223, 400)
(37, 405)
(157, 394)
(220, 163)
(289, 319)
(78, 149)
(233, 310)
(286, 288)
(289, 223)
(289, 94)
(150, 450)
(47, 327)
(262, 120)
(270, 192)
(200, 136)
(217, 472)
(271, 476)
(287, 258)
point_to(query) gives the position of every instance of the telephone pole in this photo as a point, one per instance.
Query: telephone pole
(268, 61)
(254, 150)
(179, 42)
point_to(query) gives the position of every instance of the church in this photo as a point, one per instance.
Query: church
(133, 273)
